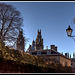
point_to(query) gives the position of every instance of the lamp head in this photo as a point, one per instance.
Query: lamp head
(69, 31)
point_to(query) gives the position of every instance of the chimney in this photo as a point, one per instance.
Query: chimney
(46, 47)
(53, 47)
(56, 48)
(66, 54)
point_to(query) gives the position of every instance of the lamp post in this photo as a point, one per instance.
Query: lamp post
(69, 32)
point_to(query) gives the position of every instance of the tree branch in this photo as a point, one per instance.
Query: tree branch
(8, 27)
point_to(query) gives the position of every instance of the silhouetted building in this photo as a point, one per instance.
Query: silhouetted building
(37, 49)
(20, 41)
(39, 41)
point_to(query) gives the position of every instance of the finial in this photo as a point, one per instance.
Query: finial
(33, 41)
(40, 30)
(70, 56)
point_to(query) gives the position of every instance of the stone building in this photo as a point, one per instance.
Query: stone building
(37, 49)
(20, 41)
(73, 61)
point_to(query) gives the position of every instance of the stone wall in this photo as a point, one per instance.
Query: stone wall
(58, 59)
(65, 61)
(53, 58)
(73, 63)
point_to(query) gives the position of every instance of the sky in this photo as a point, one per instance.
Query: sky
(53, 18)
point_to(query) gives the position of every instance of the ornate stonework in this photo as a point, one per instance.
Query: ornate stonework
(39, 41)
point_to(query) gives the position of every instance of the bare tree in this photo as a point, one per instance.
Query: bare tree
(10, 22)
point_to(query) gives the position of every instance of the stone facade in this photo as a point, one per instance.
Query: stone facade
(65, 61)
(54, 58)
(57, 58)
(73, 63)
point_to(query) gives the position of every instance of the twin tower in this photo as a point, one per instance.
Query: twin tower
(38, 43)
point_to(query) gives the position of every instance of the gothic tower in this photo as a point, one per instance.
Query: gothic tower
(33, 45)
(20, 41)
(39, 41)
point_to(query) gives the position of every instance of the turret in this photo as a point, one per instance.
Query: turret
(40, 30)
(39, 41)
(33, 42)
(37, 31)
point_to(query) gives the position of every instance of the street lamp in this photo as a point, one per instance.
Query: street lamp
(69, 31)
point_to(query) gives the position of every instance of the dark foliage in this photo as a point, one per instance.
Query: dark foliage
(10, 66)
(13, 61)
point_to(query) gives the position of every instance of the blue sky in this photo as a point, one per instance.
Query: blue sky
(52, 18)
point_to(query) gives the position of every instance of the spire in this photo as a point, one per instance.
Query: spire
(73, 54)
(70, 56)
(39, 40)
(40, 30)
(20, 31)
(33, 41)
(37, 31)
